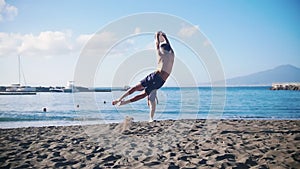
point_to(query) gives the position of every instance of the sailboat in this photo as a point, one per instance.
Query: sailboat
(17, 89)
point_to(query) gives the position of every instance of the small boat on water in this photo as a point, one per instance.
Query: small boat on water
(70, 88)
(17, 89)
(17, 93)
(56, 90)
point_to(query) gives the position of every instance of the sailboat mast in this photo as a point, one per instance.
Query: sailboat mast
(19, 70)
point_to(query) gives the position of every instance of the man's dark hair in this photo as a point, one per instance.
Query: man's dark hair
(166, 47)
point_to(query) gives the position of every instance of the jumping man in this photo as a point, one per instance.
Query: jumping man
(155, 80)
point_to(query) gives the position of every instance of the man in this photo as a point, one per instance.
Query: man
(155, 80)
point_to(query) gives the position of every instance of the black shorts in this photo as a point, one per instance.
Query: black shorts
(151, 82)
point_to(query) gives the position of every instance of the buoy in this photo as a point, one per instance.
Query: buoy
(45, 109)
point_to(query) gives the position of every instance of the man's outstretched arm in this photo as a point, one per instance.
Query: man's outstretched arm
(157, 39)
(165, 37)
(167, 41)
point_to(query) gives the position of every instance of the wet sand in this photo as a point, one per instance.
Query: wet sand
(161, 144)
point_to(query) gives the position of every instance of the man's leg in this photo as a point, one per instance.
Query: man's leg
(152, 106)
(135, 98)
(138, 87)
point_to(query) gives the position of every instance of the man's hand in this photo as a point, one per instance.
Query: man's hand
(159, 32)
(165, 37)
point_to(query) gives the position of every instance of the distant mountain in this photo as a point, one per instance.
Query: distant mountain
(283, 73)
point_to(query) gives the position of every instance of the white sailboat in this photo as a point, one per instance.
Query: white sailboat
(17, 89)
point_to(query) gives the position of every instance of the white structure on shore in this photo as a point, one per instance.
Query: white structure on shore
(70, 88)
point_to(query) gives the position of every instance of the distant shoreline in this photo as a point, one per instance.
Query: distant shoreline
(3, 89)
(275, 86)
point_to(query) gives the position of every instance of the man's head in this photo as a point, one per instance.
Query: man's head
(165, 47)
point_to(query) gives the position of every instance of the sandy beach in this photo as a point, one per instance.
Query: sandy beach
(161, 144)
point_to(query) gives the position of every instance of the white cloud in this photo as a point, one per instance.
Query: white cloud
(9, 44)
(206, 43)
(150, 46)
(188, 31)
(94, 44)
(137, 30)
(96, 41)
(61, 43)
(125, 47)
(7, 12)
(45, 44)
(83, 39)
(102, 42)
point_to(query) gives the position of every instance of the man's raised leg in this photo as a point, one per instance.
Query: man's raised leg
(138, 87)
(134, 99)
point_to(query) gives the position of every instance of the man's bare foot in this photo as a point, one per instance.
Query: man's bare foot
(115, 102)
(123, 102)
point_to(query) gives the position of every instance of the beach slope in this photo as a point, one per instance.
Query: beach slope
(161, 144)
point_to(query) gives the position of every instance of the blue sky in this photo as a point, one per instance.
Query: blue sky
(249, 36)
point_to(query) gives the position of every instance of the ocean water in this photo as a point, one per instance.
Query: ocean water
(173, 103)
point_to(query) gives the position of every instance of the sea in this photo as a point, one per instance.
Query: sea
(64, 109)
